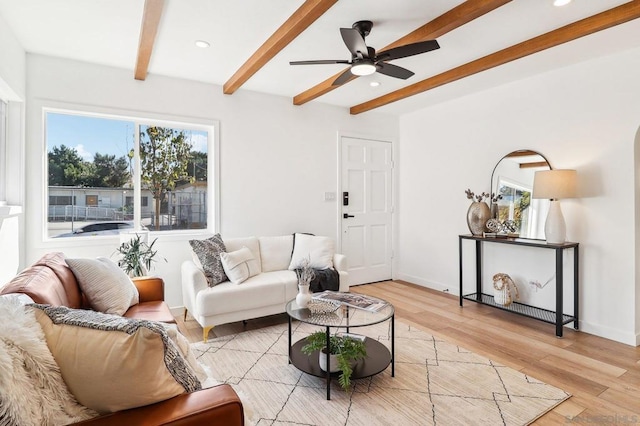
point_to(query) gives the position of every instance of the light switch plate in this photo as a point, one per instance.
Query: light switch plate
(329, 196)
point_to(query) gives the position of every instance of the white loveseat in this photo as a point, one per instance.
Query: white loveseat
(266, 293)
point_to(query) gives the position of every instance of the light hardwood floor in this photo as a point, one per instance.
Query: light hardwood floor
(602, 375)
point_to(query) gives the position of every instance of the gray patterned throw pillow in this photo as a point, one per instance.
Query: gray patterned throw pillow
(208, 252)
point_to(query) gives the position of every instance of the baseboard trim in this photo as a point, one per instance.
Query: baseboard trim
(177, 310)
(426, 283)
(630, 339)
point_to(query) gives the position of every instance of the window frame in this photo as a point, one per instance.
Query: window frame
(212, 127)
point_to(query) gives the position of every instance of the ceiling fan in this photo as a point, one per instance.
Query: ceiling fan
(364, 59)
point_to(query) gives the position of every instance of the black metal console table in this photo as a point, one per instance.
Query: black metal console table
(556, 317)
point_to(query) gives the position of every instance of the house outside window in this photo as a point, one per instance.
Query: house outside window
(151, 174)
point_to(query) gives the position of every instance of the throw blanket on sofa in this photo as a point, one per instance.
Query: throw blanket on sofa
(32, 390)
(324, 279)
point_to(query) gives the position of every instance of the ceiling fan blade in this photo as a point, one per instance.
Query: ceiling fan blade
(343, 78)
(408, 50)
(328, 61)
(393, 70)
(354, 41)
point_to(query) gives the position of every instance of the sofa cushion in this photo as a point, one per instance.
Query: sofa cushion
(208, 252)
(252, 244)
(111, 363)
(236, 264)
(49, 281)
(107, 288)
(275, 252)
(32, 391)
(154, 310)
(318, 250)
(265, 289)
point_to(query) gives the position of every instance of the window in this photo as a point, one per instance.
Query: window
(516, 205)
(144, 201)
(60, 200)
(97, 166)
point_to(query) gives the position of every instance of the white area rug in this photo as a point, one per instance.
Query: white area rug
(435, 383)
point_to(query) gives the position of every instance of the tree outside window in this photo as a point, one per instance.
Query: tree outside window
(92, 158)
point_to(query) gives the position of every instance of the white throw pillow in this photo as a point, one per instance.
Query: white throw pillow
(252, 244)
(318, 250)
(236, 265)
(107, 288)
(275, 252)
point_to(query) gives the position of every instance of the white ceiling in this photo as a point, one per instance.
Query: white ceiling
(107, 32)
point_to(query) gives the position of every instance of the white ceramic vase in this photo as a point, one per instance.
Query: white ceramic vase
(502, 297)
(333, 361)
(304, 295)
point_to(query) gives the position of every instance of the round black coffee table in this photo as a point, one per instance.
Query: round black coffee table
(378, 355)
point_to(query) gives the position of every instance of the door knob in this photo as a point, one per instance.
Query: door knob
(346, 215)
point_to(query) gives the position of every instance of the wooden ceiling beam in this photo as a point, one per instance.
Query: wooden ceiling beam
(450, 20)
(296, 24)
(150, 23)
(521, 153)
(601, 21)
(534, 165)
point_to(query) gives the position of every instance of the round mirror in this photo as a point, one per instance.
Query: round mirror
(512, 185)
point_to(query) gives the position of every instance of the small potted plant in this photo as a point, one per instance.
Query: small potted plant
(137, 256)
(344, 351)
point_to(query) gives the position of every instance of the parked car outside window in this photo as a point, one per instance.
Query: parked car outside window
(101, 228)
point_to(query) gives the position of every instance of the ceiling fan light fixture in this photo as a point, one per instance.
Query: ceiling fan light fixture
(365, 68)
(559, 3)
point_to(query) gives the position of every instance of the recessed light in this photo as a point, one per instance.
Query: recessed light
(202, 44)
(374, 84)
(561, 2)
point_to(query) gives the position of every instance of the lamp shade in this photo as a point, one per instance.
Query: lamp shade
(554, 184)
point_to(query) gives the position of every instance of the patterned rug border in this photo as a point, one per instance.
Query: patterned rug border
(434, 382)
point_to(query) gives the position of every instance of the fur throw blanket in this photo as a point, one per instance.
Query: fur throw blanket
(32, 391)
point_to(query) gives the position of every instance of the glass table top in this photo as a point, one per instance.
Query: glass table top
(343, 316)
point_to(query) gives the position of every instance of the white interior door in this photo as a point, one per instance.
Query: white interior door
(366, 170)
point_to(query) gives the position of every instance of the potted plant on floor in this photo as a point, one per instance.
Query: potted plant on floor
(344, 351)
(137, 256)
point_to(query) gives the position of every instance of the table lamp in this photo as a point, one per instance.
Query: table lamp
(555, 185)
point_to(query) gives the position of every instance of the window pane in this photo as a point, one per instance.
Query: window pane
(89, 175)
(514, 205)
(173, 174)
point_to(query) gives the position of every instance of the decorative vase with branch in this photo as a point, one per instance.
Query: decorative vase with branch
(479, 212)
(136, 256)
(305, 276)
(346, 351)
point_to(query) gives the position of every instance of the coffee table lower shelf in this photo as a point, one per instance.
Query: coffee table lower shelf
(377, 360)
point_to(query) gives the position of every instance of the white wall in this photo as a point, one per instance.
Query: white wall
(12, 89)
(277, 160)
(12, 65)
(585, 117)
